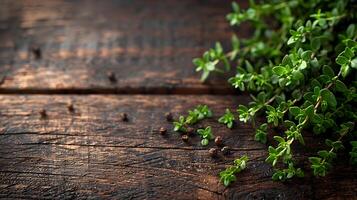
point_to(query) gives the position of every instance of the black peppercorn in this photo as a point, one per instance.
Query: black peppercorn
(36, 51)
(111, 77)
(218, 140)
(213, 152)
(225, 150)
(190, 131)
(70, 107)
(184, 138)
(2, 79)
(163, 131)
(124, 117)
(169, 117)
(43, 113)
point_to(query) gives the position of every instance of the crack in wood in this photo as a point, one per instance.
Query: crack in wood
(123, 91)
(136, 146)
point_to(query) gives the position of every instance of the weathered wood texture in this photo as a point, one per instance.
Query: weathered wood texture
(93, 154)
(149, 45)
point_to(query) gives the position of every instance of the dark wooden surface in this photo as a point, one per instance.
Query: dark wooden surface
(149, 45)
(92, 154)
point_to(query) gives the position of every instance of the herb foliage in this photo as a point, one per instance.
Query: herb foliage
(228, 175)
(206, 135)
(194, 116)
(300, 68)
(197, 114)
(227, 119)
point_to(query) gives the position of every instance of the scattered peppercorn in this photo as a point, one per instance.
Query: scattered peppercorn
(2, 79)
(124, 117)
(43, 113)
(70, 108)
(163, 130)
(190, 131)
(213, 152)
(218, 140)
(36, 51)
(184, 138)
(225, 150)
(169, 117)
(111, 76)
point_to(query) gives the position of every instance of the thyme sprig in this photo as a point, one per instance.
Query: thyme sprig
(227, 119)
(300, 68)
(206, 135)
(228, 176)
(197, 114)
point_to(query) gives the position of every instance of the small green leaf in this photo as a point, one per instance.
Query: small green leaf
(309, 111)
(329, 97)
(340, 86)
(279, 139)
(348, 53)
(298, 76)
(260, 134)
(315, 43)
(278, 175)
(235, 7)
(354, 63)
(294, 110)
(328, 142)
(306, 55)
(341, 60)
(249, 66)
(235, 46)
(303, 65)
(337, 145)
(351, 31)
(287, 61)
(345, 69)
(314, 160)
(204, 142)
(279, 70)
(328, 71)
(288, 123)
(228, 118)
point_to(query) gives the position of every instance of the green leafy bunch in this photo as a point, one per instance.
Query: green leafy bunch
(210, 59)
(228, 175)
(197, 114)
(227, 119)
(206, 135)
(299, 66)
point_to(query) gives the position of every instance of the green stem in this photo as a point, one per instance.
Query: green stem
(333, 148)
(319, 99)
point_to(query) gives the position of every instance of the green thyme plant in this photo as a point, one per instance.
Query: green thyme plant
(206, 135)
(228, 175)
(261, 133)
(194, 116)
(227, 119)
(300, 67)
(197, 114)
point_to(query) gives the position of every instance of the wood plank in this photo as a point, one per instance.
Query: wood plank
(93, 154)
(148, 45)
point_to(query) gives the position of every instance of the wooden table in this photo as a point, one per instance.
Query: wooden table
(56, 52)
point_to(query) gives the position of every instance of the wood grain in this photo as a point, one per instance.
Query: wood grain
(93, 154)
(53, 47)
(149, 45)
